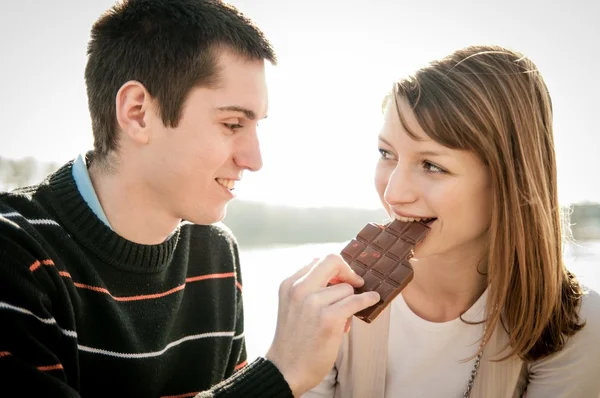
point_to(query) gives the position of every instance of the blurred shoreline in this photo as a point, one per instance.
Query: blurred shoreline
(261, 225)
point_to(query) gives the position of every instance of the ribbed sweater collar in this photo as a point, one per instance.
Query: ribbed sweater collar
(81, 222)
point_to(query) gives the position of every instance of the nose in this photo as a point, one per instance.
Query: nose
(401, 188)
(247, 154)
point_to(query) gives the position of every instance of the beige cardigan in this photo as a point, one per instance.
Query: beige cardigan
(361, 364)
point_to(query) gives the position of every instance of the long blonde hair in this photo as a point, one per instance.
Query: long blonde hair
(494, 102)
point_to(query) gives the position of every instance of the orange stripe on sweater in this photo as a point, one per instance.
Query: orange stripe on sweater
(65, 274)
(41, 368)
(211, 276)
(157, 295)
(241, 365)
(215, 276)
(130, 298)
(94, 288)
(37, 264)
(49, 368)
(189, 394)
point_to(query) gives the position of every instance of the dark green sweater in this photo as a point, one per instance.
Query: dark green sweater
(85, 312)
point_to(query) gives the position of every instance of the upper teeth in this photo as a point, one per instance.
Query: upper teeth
(229, 184)
(410, 219)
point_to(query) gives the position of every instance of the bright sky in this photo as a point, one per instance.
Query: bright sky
(337, 60)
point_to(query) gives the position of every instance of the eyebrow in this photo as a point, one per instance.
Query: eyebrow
(235, 108)
(432, 153)
(423, 153)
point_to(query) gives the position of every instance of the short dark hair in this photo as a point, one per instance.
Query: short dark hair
(170, 46)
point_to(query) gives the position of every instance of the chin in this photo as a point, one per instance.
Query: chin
(209, 216)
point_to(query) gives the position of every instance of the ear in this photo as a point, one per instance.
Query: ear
(134, 108)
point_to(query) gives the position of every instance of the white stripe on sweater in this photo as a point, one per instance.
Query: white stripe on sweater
(42, 221)
(47, 321)
(154, 353)
(71, 333)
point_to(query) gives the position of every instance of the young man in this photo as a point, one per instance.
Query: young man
(104, 289)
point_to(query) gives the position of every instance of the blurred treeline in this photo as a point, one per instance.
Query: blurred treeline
(259, 224)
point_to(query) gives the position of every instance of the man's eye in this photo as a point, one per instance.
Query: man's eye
(233, 127)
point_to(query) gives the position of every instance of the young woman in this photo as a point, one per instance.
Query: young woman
(492, 310)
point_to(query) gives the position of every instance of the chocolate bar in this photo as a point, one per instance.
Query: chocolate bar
(380, 254)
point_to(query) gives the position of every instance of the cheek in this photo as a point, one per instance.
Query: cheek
(468, 214)
(382, 177)
(183, 167)
(483, 212)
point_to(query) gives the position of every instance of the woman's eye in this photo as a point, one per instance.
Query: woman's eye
(383, 154)
(432, 168)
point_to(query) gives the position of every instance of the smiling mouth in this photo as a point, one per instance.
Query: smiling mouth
(229, 184)
(423, 220)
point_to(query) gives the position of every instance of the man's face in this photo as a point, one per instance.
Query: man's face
(192, 169)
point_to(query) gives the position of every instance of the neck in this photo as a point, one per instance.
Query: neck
(445, 287)
(130, 207)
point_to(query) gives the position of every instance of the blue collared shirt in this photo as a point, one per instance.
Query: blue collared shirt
(86, 189)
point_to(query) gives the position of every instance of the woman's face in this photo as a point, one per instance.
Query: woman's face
(421, 179)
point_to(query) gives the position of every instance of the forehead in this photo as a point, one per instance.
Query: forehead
(394, 129)
(420, 144)
(242, 81)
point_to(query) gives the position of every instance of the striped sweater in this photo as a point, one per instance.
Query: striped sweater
(85, 312)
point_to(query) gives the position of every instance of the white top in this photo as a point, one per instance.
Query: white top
(424, 358)
(414, 365)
